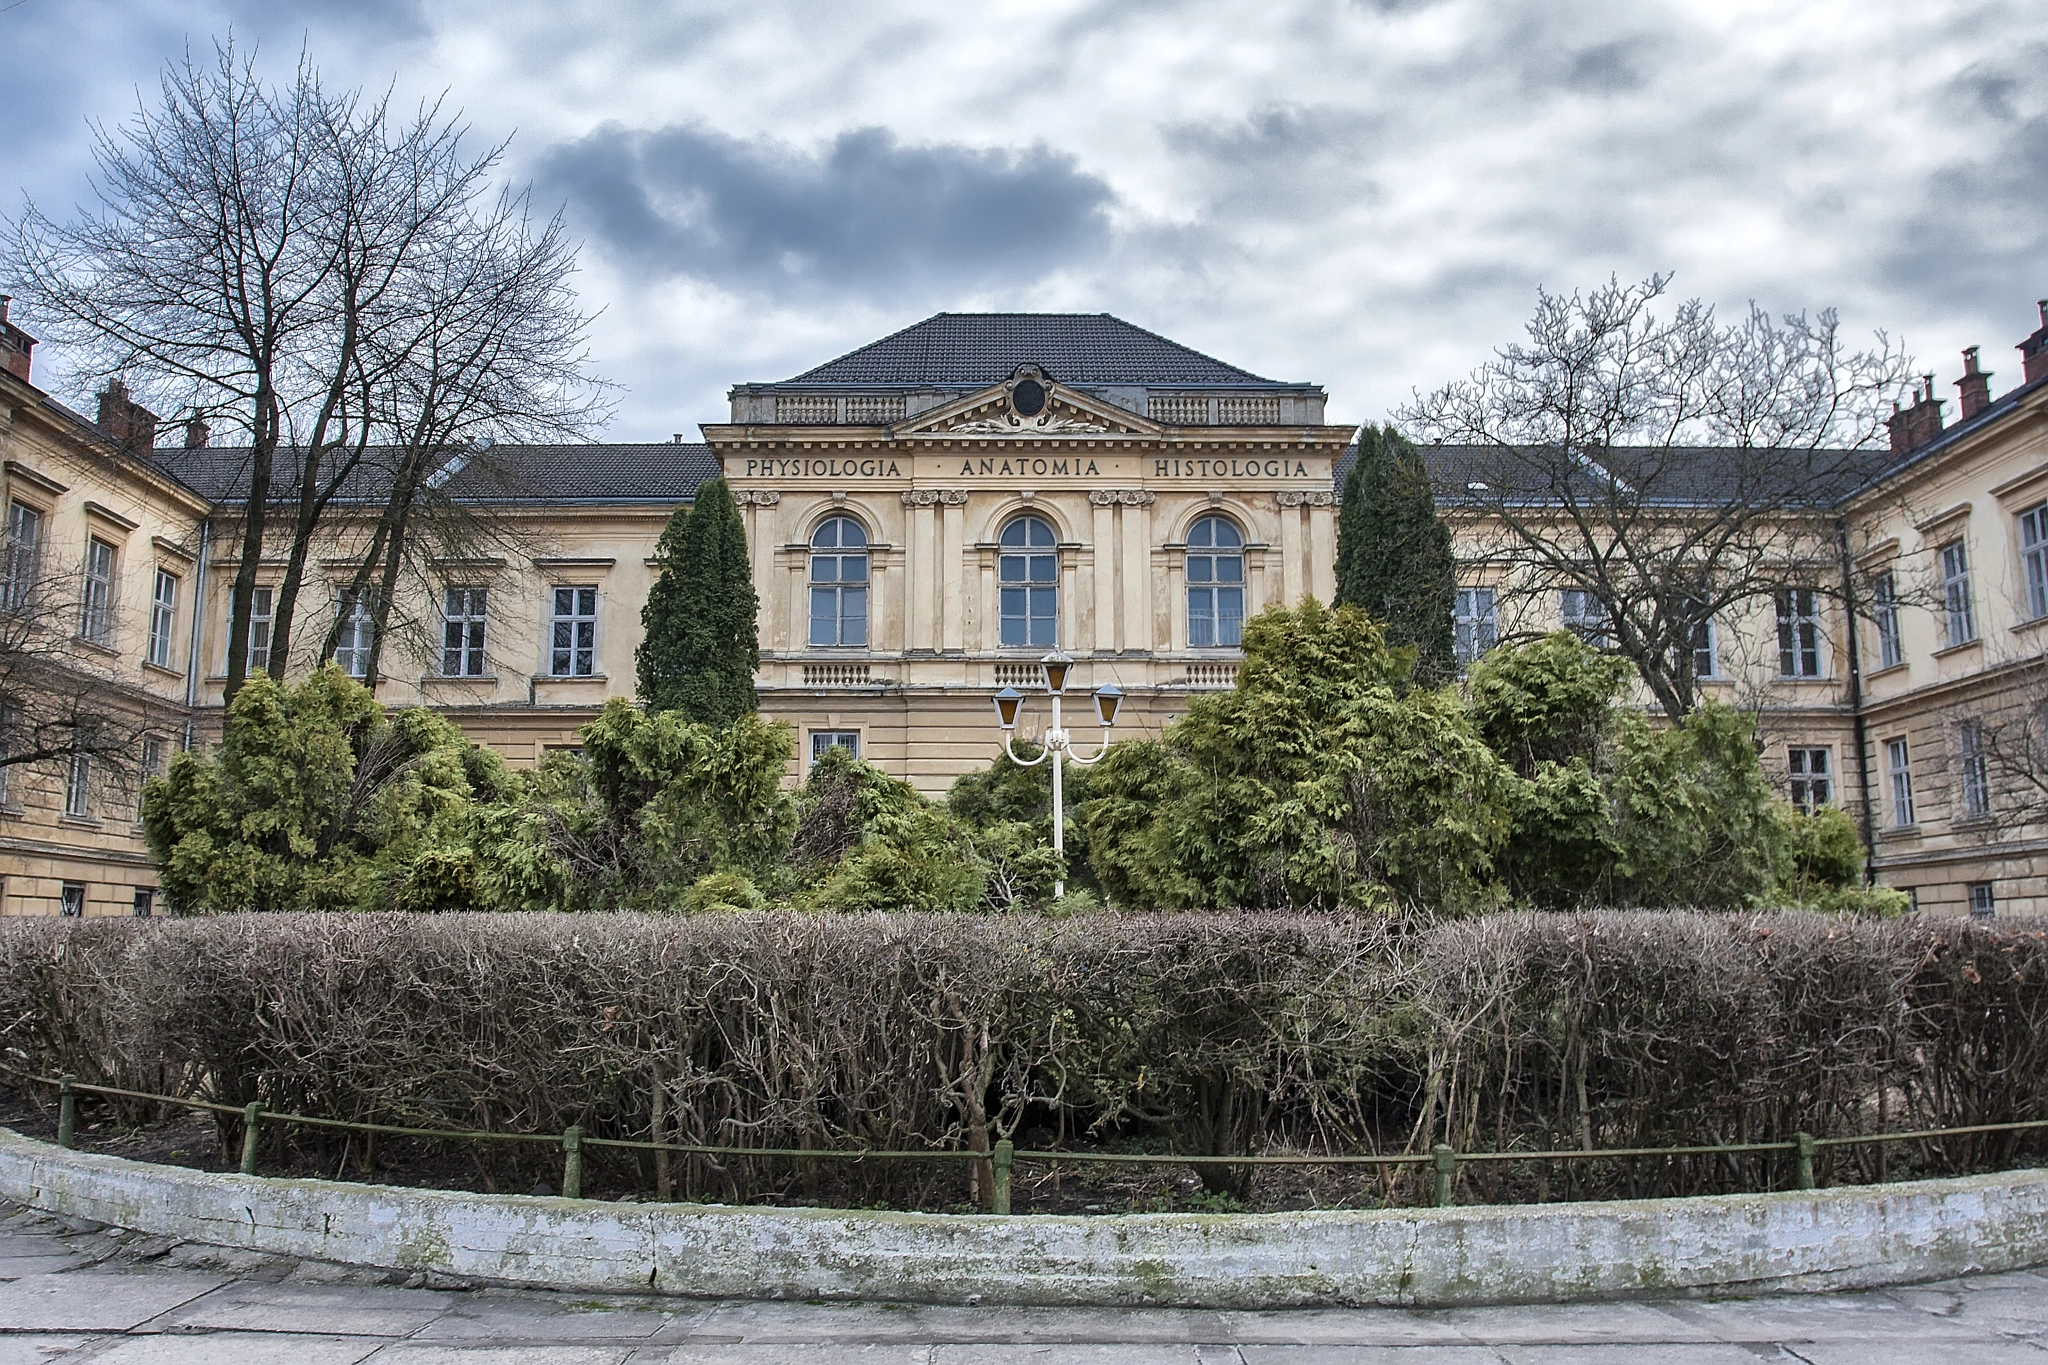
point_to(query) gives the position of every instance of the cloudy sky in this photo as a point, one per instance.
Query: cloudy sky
(1362, 193)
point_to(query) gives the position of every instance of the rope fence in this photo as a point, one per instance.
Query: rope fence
(1002, 1157)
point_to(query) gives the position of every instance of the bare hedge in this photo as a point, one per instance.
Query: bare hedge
(1219, 1033)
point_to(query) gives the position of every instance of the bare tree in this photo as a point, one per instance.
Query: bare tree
(1672, 469)
(270, 256)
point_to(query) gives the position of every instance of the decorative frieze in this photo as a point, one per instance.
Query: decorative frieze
(756, 497)
(935, 497)
(1124, 497)
(1306, 497)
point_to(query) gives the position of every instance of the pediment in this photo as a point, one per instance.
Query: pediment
(1007, 409)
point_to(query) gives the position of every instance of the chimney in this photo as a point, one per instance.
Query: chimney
(2034, 350)
(15, 344)
(1975, 385)
(124, 421)
(198, 434)
(1919, 424)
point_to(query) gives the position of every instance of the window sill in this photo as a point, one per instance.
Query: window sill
(108, 650)
(165, 670)
(570, 678)
(1802, 679)
(80, 822)
(1911, 831)
(486, 679)
(1899, 667)
(2029, 627)
(1963, 824)
(1958, 649)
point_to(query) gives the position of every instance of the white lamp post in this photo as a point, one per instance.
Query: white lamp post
(1053, 669)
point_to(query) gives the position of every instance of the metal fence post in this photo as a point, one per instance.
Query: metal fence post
(999, 1197)
(1802, 1165)
(1446, 1173)
(252, 1133)
(572, 1161)
(67, 1112)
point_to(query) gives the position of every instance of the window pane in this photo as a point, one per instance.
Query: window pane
(1014, 533)
(586, 601)
(565, 601)
(1202, 532)
(1044, 569)
(853, 568)
(1230, 616)
(824, 616)
(1011, 568)
(1229, 569)
(1014, 636)
(1044, 602)
(824, 568)
(1041, 534)
(1201, 568)
(827, 537)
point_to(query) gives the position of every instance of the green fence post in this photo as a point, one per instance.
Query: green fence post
(572, 1161)
(1004, 1154)
(1802, 1165)
(67, 1112)
(252, 1132)
(1446, 1173)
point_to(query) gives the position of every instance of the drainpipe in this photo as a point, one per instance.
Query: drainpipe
(198, 623)
(1864, 822)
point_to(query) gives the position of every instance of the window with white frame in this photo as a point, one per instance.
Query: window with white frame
(96, 610)
(9, 717)
(1028, 580)
(356, 611)
(839, 584)
(145, 901)
(1899, 767)
(78, 784)
(1884, 610)
(1798, 633)
(1983, 902)
(21, 556)
(71, 900)
(1705, 664)
(1215, 582)
(1812, 777)
(465, 612)
(572, 632)
(1973, 777)
(824, 741)
(261, 613)
(163, 617)
(152, 766)
(1475, 624)
(2034, 559)
(1585, 615)
(1957, 610)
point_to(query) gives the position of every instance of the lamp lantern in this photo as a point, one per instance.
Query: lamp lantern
(1007, 702)
(1107, 699)
(1055, 667)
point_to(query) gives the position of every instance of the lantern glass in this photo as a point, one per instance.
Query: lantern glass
(1007, 702)
(1055, 667)
(1107, 700)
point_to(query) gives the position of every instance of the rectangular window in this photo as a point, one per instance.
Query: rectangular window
(1884, 608)
(1974, 779)
(464, 614)
(1704, 664)
(71, 900)
(1955, 594)
(152, 766)
(1899, 763)
(21, 556)
(8, 718)
(2034, 559)
(163, 617)
(1813, 778)
(1798, 633)
(358, 626)
(1983, 904)
(572, 648)
(145, 901)
(1475, 624)
(78, 785)
(1585, 615)
(823, 740)
(96, 613)
(261, 612)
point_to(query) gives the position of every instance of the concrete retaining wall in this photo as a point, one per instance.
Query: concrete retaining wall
(1830, 1239)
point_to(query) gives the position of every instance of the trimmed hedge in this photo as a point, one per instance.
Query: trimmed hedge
(1219, 1033)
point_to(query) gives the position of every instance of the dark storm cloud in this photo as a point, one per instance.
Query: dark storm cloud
(864, 214)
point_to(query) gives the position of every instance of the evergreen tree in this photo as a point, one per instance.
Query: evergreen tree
(701, 647)
(1394, 552)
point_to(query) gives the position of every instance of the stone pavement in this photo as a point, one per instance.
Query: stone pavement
(74, 1291)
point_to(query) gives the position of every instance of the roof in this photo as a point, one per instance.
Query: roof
(974, 350)
(1677, 476)
(658, 472)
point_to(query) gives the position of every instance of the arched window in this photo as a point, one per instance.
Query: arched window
(1215, 584)
(1029, 571)
(839, 583)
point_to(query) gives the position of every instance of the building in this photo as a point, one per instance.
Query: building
(929, 514)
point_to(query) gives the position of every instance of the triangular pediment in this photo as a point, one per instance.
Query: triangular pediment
(1001, 410)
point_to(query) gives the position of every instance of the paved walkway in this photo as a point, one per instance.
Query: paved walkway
(73, 1291)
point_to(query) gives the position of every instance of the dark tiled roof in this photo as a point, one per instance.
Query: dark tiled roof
(975, 349)
(1679, 476)
(660, 472)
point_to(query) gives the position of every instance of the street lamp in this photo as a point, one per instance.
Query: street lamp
(1052, 671)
